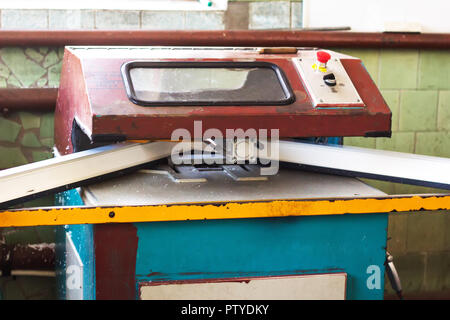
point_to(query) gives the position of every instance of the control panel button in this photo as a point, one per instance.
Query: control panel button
(329, 79)
(323, 56)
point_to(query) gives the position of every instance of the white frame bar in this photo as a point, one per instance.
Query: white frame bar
(52, 174)
(38, 177)
(362, 162)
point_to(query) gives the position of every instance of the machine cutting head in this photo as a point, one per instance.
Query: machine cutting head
(109, 94)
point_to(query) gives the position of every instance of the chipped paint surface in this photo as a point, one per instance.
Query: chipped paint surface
(303, 287)
(220, 210)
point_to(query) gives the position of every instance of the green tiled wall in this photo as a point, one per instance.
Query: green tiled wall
(26, 137)
(416, 86)
(30, 67)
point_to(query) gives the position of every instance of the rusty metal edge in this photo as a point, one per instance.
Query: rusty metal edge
(269, 38)
(222, 210)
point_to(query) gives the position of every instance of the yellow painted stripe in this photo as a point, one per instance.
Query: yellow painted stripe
(231, 210)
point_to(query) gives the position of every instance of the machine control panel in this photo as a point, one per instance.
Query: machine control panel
(327, 82)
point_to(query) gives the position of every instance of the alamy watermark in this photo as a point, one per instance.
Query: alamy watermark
(374, 278)
(234, 146)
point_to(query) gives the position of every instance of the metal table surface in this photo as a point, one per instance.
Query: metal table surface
(157, 187)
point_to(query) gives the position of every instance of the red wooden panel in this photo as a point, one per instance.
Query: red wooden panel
(115, 261)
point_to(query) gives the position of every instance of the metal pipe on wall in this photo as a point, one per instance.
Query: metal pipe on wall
(30, 260)
(252, 38)
(33, 99)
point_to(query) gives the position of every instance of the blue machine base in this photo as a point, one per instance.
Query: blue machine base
(210, 249)
(354, 244)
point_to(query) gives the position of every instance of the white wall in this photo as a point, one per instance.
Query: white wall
(379, 15)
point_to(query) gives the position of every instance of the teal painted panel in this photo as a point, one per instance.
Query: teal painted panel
(83, 238)
(264, 247)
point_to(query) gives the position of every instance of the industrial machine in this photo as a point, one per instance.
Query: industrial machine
(219, 173)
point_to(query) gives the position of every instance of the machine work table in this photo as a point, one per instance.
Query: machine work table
(218, 258)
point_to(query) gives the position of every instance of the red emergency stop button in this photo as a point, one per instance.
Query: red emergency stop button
(323, 56)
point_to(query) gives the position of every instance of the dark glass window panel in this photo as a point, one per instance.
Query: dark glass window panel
(207, 83)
